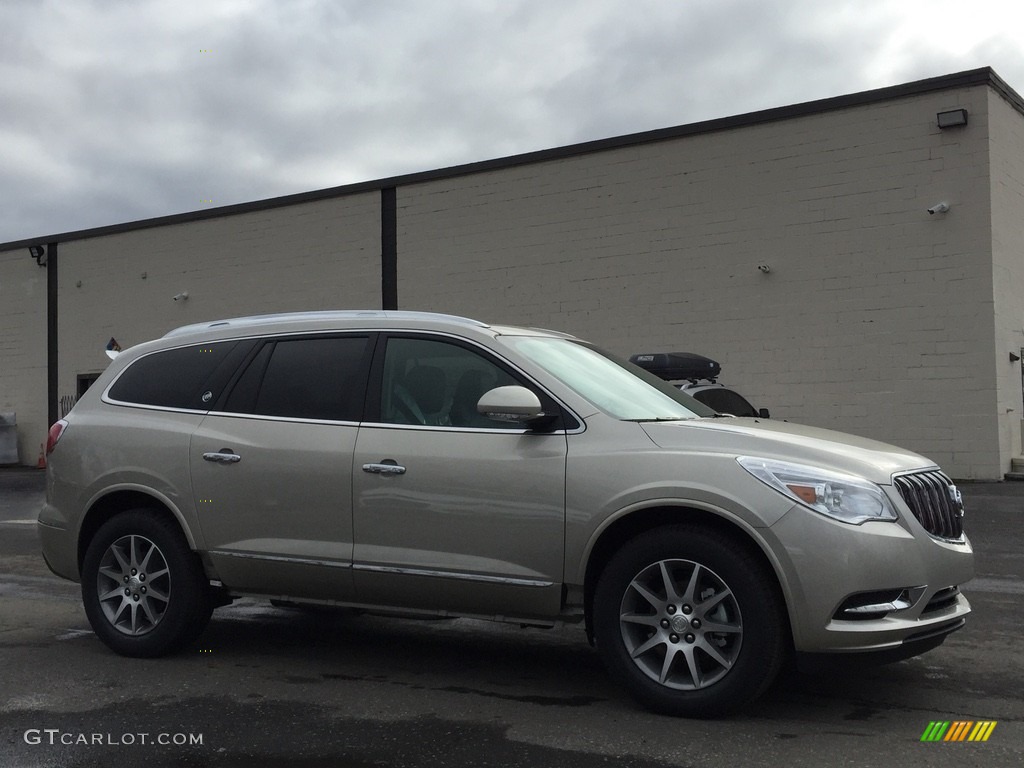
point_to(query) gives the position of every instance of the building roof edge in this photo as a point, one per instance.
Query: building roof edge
(968, 78)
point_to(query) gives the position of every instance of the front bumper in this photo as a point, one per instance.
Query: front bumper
(902, 584)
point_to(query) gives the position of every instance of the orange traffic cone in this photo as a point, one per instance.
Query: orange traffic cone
(41, 464)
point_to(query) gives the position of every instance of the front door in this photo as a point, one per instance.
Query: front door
(452, 511)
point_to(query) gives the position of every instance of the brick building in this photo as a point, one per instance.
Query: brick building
(874, 316)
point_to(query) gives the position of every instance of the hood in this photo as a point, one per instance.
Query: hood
(825, 448)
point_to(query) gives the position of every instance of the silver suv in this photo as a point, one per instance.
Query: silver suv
(436, 465)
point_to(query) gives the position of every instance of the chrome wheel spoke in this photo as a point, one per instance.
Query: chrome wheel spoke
(117, 591)
(711, 627)
(699, 618)
(713, 652)
(691, 667)
(144, 603)
(669, 582)
(126, 592)
(666, 664)
(690, 595)
(145, 560)
(647, 619)
(653, 642)
(111, 573)
(714, 600)
(119, 556)
(649, 596)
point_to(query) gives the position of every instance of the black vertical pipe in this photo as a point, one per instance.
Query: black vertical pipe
(389, 248)
(52, 383)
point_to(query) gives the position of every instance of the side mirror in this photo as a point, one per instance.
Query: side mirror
(516, 405)
(763, 413)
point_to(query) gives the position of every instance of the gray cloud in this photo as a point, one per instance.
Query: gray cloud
(118, 110)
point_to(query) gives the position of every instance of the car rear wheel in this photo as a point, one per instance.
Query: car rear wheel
(689, 621)
(144, 590)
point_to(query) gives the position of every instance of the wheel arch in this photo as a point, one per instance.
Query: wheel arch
(106, 506)
(640, 521)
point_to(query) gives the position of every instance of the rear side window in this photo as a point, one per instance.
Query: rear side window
(320, 378)
(186, 377)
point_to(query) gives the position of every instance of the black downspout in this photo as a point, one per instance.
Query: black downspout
(52, 396)
(389, 248)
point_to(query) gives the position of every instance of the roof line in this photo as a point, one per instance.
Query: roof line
(973, 77)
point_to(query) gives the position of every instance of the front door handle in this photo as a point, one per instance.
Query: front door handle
(385, 467)
(223, 456)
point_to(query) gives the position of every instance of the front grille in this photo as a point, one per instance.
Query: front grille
(935, 502)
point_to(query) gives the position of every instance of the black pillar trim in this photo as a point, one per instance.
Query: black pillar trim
(52, 384)
(389, 248)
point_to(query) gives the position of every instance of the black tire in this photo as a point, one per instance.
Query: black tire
(144, 590)
(722, 631)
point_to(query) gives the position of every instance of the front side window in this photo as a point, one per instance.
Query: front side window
(620, 389)
(436, 383)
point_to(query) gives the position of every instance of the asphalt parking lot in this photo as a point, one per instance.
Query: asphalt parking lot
(272, 687)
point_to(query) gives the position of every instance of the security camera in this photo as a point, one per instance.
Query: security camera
(764, 268)
(939, 208)
(181, 296)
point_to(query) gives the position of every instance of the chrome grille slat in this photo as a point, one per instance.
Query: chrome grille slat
(928, 496)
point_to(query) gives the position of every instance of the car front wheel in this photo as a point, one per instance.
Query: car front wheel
(144, 590)
(689, 621)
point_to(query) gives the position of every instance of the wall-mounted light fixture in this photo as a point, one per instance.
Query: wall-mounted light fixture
(1014, 358)
(38, 253)
(952, 118)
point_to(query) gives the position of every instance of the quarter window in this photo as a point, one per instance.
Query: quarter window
(185, 377)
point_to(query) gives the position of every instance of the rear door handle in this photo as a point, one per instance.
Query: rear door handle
(385, 467)
(223, 456)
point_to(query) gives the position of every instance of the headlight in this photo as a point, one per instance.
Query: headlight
(847, 498)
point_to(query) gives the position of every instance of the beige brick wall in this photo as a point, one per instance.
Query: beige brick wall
(1007, 163)
(876, 318)
(23, 349)
(317, 255)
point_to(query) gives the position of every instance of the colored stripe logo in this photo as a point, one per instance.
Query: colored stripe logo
(958, 730)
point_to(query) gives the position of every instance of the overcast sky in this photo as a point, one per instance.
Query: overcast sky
(118, 110)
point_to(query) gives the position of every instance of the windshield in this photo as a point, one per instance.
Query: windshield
(620, 389)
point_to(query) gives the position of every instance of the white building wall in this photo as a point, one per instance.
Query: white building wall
(875, 318)
(314, 255)
(23, 349)
(1007, 163)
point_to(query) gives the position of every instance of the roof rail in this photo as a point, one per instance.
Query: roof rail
(329, 314)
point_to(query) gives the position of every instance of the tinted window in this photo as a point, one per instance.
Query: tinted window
(177, 378)
(319, 378)
(437, 383)
(726, 401)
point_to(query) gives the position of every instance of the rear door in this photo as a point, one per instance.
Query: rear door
(272, 468)
(453, 511)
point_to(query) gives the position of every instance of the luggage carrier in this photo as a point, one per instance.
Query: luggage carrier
(677, 366)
